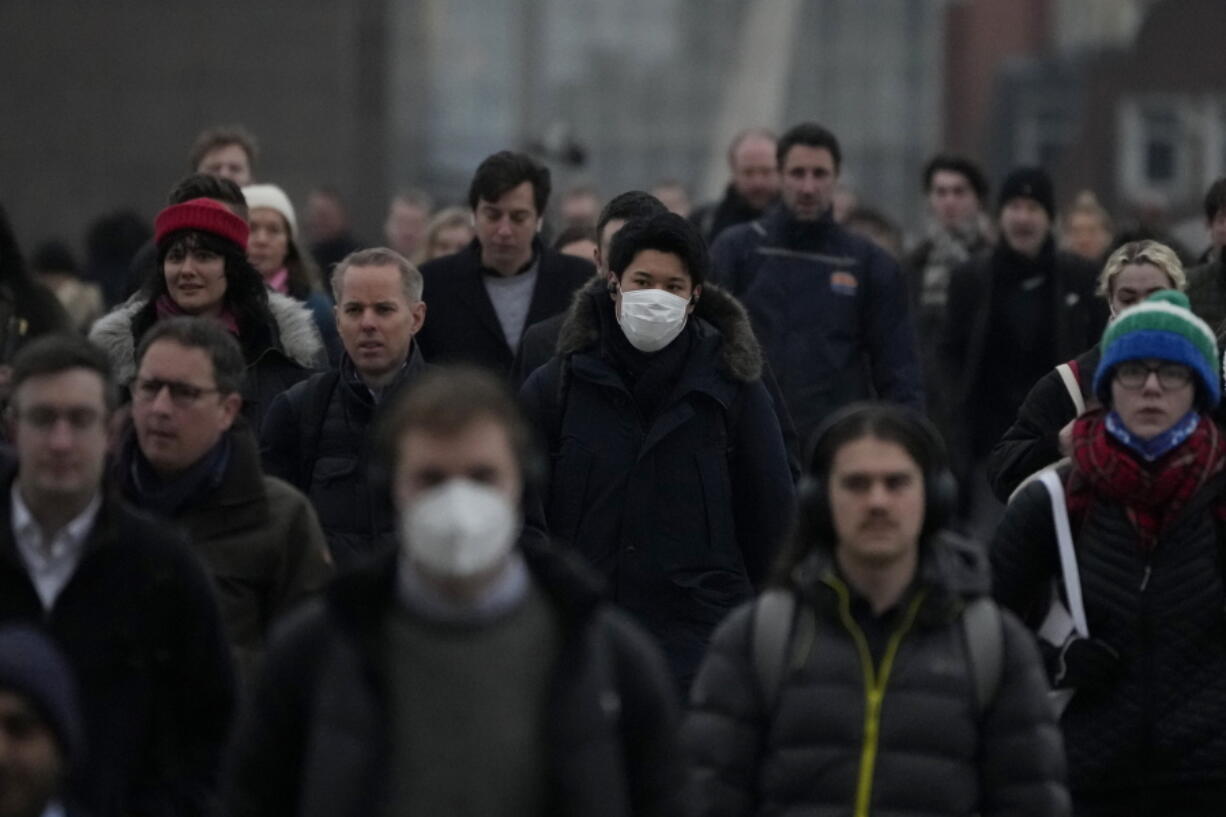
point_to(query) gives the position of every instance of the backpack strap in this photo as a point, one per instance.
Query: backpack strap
(1072, 382)
(779, 623)
(311, 425)
(981, 625)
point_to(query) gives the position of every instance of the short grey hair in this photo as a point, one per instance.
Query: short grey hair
(410, 276)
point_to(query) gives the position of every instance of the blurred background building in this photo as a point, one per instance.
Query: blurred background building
(101, 101)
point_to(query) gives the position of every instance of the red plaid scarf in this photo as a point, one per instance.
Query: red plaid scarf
(1151, 494)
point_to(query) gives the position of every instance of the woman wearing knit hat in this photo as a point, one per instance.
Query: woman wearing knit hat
(1146, 502)
(273, 250)
(1039, 436)
(205, 272)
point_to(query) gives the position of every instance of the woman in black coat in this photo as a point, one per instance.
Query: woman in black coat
(1145, 730)
(1041, 433)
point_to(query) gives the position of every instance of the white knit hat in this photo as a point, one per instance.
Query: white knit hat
(274, 198)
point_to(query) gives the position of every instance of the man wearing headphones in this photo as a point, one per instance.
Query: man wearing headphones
(461, 673)
(877, 677)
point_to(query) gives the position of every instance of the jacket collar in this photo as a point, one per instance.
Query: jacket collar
(727, 327)
(363, 597)
(413, 367)
(952, 569)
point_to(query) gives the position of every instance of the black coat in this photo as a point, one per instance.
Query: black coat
(462, 326)
(540, 343)
(318, 437)
(980, 413)
(140, 628)
(1032, 442)
(830, 310)
(1162, 723)
(713, 218)
(316, 742)
(681, 511)
(935, 754)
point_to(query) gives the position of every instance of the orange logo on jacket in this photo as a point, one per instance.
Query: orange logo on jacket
(843, 283)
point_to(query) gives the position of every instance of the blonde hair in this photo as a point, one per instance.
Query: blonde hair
(1154, 253)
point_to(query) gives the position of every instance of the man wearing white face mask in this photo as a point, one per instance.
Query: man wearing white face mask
(669, 471)
(463, 674)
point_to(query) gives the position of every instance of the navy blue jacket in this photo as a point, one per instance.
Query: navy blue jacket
(830, 310)
(682, 511)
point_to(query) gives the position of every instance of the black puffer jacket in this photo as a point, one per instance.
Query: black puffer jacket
(1032, 442)
(1163, 723)
(315, 744)
(818, 750)
(318, 437)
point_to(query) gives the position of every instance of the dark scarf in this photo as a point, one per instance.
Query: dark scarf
(732, 209)
(651, 377)
(167, 496)
(1152, 493)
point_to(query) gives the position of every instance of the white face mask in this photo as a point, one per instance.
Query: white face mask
(651, 318)
(459, 528)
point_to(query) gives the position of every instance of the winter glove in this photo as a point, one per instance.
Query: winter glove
(1086, 664)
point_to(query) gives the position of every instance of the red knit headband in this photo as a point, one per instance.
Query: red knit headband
(205, 215)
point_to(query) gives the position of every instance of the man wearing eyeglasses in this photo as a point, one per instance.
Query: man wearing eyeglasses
(192, 460)
(125, 601)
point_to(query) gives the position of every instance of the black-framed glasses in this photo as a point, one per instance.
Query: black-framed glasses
(1133, 374)
(183, 395)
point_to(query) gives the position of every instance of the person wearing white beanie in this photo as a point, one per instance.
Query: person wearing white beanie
(273, 250)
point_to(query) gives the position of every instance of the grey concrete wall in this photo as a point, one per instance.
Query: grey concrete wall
(99, 102)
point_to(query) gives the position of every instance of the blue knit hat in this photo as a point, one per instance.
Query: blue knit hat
(33, 667)
(1161, 327)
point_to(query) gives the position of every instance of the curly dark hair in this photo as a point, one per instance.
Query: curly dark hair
(246, 295)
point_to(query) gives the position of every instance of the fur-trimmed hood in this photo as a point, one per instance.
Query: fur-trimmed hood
(296, 334)
(740, 352)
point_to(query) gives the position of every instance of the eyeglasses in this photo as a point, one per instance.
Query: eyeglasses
(1132, 375)
(183, 395)
(44, 418)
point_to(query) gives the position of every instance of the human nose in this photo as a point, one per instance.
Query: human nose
(1152, 384)
(60, 435)
(162, 401)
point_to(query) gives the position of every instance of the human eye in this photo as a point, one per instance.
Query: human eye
(41, 417)
(176, 254)
(897, 482)
(857, 483)
(184, 392)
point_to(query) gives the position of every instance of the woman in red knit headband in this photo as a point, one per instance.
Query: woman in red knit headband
(205, 272)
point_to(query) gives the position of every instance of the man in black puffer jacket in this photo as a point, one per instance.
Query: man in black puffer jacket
(896, 687)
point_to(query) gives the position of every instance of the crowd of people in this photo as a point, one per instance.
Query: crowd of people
(734, 511)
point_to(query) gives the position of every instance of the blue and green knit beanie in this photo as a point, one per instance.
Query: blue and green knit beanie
(1161, 327)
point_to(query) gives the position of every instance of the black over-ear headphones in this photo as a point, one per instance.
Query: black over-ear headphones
(940, 487)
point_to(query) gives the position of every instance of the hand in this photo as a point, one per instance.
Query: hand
(1064, 440)
(1087, 663)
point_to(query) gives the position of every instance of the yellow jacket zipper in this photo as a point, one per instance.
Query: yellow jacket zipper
(875, 680)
